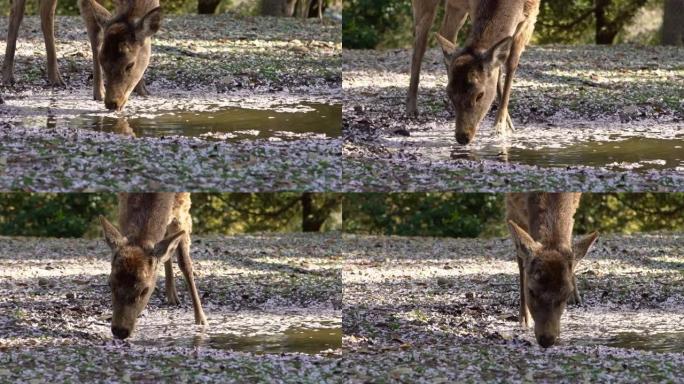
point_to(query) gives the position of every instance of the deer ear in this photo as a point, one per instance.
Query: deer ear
(448, 48)
(99, 13)
(112, 235)
(149, 24)
(582, 246)
(523, 241)
(498, 54)
(165, 248)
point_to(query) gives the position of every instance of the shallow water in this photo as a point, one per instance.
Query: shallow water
(287, 122)
(295, 339)
(632, 153)
(656, 342)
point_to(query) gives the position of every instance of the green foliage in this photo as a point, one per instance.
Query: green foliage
(473, 215)
(369, 24)
(424, 214)
(58, 215)
(76, 215)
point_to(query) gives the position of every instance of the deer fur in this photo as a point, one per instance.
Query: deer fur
(47, 24)
(121, 46)
(541, 227)
(500, 30)
(153, 226)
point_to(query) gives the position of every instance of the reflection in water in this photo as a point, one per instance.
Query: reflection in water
(302, 340)
(658, 342)
(230, 124)
(633, 153)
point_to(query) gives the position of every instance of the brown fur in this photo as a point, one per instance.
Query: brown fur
(47, 24)
(153, 227)
(121, 47)
(541, 226)
(501, 29)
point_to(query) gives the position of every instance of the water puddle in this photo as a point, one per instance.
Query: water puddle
(637, 154)
(293, 339)
(286, 122)
(657, 342)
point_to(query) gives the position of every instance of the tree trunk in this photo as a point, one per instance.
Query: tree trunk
(278, 8)
(603, 34)
(672, 32)
(310, 221)
(207, 7)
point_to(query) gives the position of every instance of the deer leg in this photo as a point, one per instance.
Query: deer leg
(320, 9)
(47, 24)
(504, 124)
(95, 42)
(171, 292)
(454, 18)
(16, 15)
(185, 264)
(524, 313)
(423, 17)
(141, 89)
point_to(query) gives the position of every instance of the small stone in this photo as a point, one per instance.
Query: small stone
(70, 296)
(469, 295)
(43, 282)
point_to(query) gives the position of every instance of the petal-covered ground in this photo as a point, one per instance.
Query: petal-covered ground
(432, 310)
(199, 64)
(56, 305)
(587, 118)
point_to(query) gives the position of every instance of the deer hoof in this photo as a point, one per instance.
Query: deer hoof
(56, 81)
(505, 127)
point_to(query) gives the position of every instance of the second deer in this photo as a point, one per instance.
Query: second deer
(500, 30)
(541, 226)
(154, 227)
(121, 46)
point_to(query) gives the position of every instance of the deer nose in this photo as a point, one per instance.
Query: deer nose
(546, 340)
(462, 138)
(112, 105)
(120, 333)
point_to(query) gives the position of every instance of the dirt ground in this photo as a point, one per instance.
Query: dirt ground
(429, 310)
(56, 305)
(198, 64)
(562, 96)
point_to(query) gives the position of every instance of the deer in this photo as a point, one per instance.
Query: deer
(121, 46)
(153, 226)
(47, 24)
(500, 31)
(541, 227)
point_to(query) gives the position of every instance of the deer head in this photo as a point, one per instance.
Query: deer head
(549, 276)
(473, 76)
(133, 275)
(125, 51)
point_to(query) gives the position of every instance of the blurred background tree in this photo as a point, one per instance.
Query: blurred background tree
(178, 7)
(369, 24)
(482, 215)
(76, 214)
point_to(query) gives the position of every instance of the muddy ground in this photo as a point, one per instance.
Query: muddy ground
(55, 308)
(199, 64)
(427, 310)
(562, 97)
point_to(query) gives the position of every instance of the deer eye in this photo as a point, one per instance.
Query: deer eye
(144, 292)
(479, 96)
(130, 66)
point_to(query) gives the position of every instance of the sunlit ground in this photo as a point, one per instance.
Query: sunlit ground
(585, 118)
(272, 301)
(444, 310)
(254, 74)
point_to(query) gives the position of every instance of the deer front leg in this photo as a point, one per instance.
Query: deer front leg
(504, 124)
(141, 89)
(47, 24)
(171, 292)
(16, 15)
(523, 313)
(423, 17)
(185, 264)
